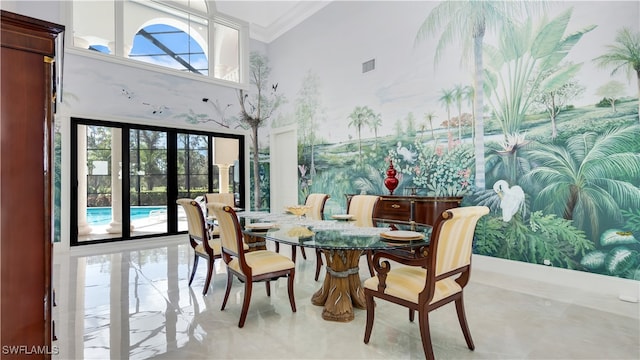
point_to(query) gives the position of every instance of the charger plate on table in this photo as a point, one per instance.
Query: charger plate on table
(262, 226)
(402, 235)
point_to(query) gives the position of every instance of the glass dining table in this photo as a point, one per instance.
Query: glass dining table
(342, 244)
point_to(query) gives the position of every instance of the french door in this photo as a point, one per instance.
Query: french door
(128, 177)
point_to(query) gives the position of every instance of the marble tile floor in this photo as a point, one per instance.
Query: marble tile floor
(132, 302)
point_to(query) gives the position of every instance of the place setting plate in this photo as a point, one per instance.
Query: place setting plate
(260, 226)
(402, 235)
(342, 217)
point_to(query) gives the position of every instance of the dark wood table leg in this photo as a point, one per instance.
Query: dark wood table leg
(342, 289)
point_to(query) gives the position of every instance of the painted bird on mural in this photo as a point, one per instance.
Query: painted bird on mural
(511, 199)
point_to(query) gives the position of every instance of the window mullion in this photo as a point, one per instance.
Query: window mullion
(119, 35)
(211, 62)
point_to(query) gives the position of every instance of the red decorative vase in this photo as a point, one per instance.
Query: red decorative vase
(391, 182)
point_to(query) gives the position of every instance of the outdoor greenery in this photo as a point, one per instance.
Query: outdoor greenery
(148, 166)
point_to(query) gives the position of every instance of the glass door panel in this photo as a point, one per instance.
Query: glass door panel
(99, 179)
(148, 182)
(193, 172)
(225, 166)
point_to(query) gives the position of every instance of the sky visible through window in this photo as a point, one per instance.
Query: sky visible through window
(166, 46)
(170, 47)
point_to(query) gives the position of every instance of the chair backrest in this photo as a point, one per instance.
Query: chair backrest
(195, 219)
(316, 202)
(225, 198)
(452, 238)
(361, 207)
(230, 230)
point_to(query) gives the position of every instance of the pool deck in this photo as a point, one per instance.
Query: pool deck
(155, 223)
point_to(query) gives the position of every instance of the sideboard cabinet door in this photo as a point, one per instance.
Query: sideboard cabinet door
(414, 209)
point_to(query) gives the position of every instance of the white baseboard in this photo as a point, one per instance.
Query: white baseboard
(623, 289)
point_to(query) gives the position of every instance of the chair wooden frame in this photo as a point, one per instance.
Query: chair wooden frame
(200, 240)
(269, 265)
(446, 268)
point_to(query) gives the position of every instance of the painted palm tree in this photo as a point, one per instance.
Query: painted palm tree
(458, 94)
(360, 117)
(375, 123)
(446, 98)
(527, 62)
(469, 96)
(429, 117)
(468, 21)
(624, 55)
(308, 109)
(588, 178)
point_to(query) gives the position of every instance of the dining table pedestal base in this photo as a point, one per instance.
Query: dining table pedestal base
(342, 288)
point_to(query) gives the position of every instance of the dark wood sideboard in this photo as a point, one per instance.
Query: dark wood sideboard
(413, 209)
(28, 91)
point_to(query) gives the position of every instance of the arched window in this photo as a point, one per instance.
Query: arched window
(182, 35)
(168, 46)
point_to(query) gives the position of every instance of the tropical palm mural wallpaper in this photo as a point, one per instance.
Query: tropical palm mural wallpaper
(561, 173)
(528, 107)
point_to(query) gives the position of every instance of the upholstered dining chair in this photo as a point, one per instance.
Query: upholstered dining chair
(426, 283)
(200, 240)
(250, 266)
(225, 198)
(210, 198)
(362, 207)
(317, 201)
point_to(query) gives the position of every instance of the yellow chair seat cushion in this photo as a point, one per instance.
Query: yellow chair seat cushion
(262, 262)
(214, 244)
(408, 281)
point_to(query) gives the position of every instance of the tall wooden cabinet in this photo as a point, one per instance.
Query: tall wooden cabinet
(27, 95)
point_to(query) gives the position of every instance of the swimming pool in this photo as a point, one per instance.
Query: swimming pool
(102, 215)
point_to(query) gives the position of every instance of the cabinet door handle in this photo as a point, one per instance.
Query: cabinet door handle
(395, 206)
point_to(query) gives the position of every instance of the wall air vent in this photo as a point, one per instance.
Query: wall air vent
(368, 65)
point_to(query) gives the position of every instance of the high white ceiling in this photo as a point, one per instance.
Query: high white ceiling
(269, 19)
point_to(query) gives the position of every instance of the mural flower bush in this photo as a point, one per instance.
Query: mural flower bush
(441, 171)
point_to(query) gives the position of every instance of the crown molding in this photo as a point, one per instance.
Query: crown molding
(286, 22)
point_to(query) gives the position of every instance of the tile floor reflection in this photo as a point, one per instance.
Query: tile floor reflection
(133, 302)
